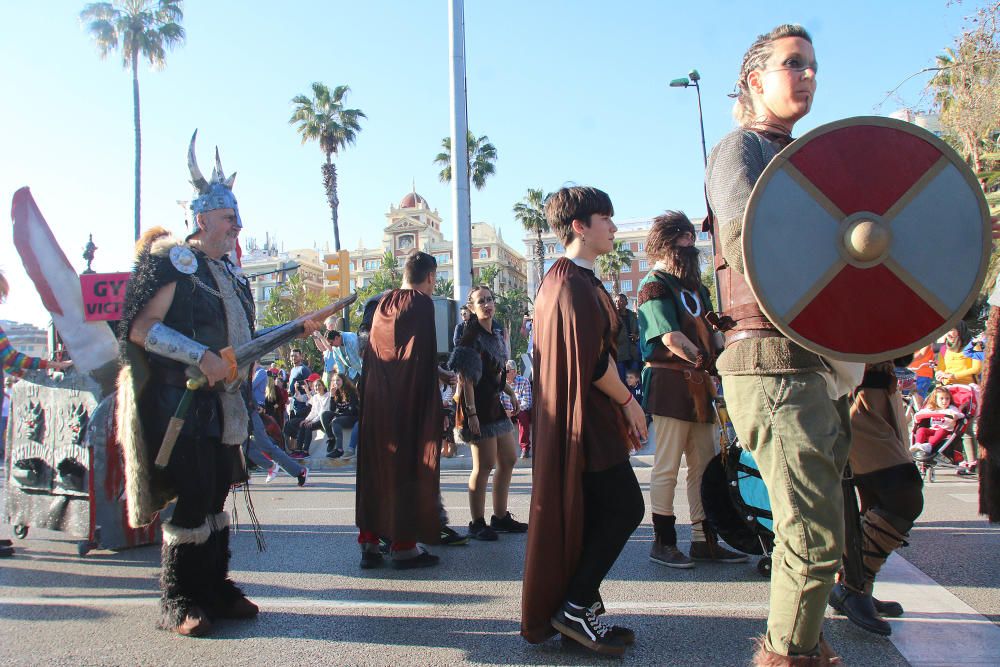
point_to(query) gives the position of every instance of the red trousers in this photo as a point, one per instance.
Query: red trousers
(931, 436)
(368, 537)
(524, 429)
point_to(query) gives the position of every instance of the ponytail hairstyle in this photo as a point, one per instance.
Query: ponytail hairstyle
(754, 59)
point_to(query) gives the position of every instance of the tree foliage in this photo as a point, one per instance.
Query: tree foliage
(387, 277)
(140, 29)
(530, 212)
(611, 265)
(289, 301)
(510, 307)
(967, 95)
(481, 160)
(324, 119)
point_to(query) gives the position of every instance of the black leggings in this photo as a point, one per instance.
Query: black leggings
(201, 470)
(897, 491)
(612, 509)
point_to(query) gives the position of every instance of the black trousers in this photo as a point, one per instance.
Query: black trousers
(897, 490)
(612, 509)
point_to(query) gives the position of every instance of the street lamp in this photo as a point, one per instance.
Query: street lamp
(692, 79)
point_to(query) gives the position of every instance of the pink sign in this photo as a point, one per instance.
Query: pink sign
(103, 295)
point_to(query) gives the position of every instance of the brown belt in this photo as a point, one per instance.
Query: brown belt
(742, 334)
(673, 366)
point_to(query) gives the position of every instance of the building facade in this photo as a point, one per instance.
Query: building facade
(632, 233)
(27, 338)
(412, 224)
(268, 268)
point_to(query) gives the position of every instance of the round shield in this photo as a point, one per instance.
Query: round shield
(866, 239)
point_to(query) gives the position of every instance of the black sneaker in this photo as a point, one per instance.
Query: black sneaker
(626, 635)
(507, 524)
(371, 559)
(423, 559)
(480, 531)
(451, 538)
(581, 625)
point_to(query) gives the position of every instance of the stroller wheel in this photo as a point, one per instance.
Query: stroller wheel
(764, 567)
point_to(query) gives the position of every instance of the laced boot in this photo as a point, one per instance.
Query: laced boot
(710, 550)
(228, 601)
(183, 579)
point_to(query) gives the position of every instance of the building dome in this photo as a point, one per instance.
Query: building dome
(413, 200)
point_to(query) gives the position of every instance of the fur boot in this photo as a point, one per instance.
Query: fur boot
(227, 600)
(765, 658)
(182, 580)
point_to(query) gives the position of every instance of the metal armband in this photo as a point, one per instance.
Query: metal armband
(167, 342)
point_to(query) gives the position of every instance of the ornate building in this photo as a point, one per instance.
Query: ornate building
(630, 232)
(412, 224)
(267, 268)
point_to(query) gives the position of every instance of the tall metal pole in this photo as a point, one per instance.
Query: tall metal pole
(460, 211)
(701, 123)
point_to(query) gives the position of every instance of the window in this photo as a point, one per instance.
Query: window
(484, 253)
(405, 242)
(372, 264)
(443, 258)
(607, 285)
(644, 265)
(640, 246)
(703, 236)
(550, 249)
(267, 292)
(626, 286)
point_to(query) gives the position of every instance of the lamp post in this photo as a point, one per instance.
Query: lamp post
(692, 79)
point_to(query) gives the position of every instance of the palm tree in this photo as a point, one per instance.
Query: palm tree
(143, 28)
(323, 118)
(611, 265)
(488, 275)
(482, 160)
(530, 212)
(444, 287)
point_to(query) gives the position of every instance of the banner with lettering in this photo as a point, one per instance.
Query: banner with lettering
(103, 295)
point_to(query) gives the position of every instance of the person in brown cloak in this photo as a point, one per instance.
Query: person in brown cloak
(891, 492)
(399, 442)
(585, 501)
(988, 431)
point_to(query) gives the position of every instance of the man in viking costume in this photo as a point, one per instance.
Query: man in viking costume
(186, 301)
(891, 492)
(678, 347)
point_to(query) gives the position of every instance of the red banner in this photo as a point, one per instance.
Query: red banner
(103, 295)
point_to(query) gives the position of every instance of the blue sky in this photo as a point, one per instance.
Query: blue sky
(568, 91)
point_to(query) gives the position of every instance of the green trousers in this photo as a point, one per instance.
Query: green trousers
(800, 440)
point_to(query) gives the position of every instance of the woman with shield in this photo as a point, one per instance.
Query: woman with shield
(788, 407)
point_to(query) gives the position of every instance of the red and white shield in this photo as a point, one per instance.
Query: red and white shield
(866, 239)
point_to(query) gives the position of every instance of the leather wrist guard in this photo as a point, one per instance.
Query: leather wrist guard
(172, 344)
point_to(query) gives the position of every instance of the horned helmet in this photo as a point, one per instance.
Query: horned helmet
(215, 193)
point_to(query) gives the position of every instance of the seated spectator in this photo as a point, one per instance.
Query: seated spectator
(275, 399)
(301, 429)
(343, 413)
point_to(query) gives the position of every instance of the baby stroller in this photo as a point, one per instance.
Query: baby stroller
(735, 497)
(947, 452)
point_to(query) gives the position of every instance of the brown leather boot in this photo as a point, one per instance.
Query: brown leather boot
(765, 658)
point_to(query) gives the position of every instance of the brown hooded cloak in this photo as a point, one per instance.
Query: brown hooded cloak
(576, 429)
(401, 417)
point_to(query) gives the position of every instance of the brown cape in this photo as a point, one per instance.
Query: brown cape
(988, 427)
(572, 328)
(401, 417)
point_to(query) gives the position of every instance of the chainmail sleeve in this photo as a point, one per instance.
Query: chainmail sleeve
(734, 166)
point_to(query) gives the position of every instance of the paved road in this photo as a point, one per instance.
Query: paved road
(56, 608)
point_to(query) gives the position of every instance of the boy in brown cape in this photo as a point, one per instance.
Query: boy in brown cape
(399, 442)
(586, 500)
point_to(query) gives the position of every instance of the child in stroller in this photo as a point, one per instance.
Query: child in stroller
(939, 426)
